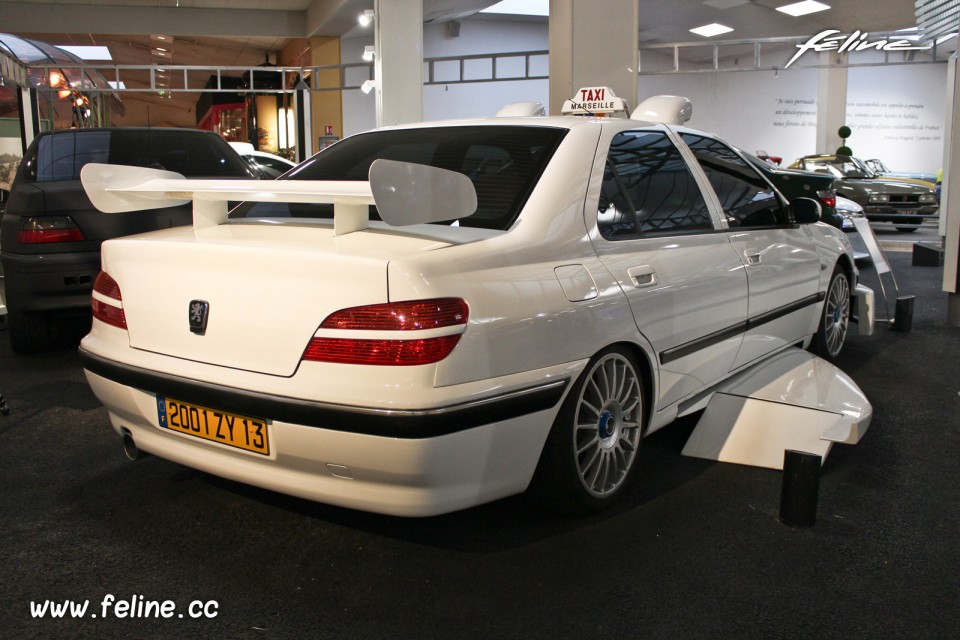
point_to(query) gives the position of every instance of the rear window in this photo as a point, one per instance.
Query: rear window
(60, 156)
(503, 162)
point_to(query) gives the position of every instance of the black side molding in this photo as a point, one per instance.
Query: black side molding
(403, 423)
(680, 351)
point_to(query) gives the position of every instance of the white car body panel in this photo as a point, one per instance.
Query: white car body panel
(679, 301)
(544, 296)
(780, 271)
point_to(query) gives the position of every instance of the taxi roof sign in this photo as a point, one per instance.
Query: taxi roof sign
(596, 101)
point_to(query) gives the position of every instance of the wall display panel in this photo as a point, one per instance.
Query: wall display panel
(897, 114)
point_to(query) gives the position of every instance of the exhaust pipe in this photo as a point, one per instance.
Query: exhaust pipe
(130, 447)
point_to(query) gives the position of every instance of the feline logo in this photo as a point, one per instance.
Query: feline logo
(856, 41)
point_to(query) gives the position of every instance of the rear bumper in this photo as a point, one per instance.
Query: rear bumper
(50, 282)
(399, 462)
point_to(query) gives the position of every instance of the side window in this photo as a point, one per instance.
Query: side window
(747, 200)
(648, 189)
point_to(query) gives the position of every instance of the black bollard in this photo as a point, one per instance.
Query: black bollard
(903, 317)
(801, 486)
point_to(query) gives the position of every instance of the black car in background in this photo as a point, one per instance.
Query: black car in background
(50, 233)
(793, 184)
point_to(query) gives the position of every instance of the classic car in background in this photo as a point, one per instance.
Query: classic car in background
(878, 167)
(418, 336)
(903, 203)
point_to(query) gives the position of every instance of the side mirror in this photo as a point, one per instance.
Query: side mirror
(805, 210)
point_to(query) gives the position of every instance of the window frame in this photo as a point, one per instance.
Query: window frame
(693, 168)
(788, 221)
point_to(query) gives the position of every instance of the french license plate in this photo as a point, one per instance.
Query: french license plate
(242, 432)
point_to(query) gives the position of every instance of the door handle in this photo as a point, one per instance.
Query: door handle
(643, 276)
(753, 256)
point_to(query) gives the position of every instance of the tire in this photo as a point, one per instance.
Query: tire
(831, 334)
(591, 451)
(29, 332)
(911, 228)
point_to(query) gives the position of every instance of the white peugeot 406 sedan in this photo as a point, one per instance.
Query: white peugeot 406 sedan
(423, 318)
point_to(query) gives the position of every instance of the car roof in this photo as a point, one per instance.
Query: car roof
(157, 130)
(563, 122)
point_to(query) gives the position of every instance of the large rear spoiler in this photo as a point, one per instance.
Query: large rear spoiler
(404, 193)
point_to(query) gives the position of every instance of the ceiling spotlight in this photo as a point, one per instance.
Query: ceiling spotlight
(712, 29)
(55, 79)
(368, 86)
(368, 52)
(366, 18)
(797, 9)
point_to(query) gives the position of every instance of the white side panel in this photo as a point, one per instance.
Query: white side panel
(865, 310)
(795, 401)
(757, 432)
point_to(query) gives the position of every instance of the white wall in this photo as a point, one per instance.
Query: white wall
(447, 101)
(897, 114)
(753, 110)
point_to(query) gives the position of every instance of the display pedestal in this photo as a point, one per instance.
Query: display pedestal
(928, 254)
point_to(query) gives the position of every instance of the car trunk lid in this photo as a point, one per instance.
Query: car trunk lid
(268, 286)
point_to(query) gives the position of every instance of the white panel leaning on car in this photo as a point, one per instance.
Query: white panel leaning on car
(529, 297)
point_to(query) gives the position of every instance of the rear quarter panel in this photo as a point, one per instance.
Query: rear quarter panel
(520, 316)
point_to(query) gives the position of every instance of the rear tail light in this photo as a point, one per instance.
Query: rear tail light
(49, 229)
(418, 316)
(104, 311)
(401, 316)
(828, 196)
(381, 352)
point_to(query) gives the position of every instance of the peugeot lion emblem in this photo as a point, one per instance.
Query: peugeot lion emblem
(199, 309)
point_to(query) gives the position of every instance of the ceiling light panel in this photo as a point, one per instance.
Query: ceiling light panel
(87, 52)
(711, 30)
(725, 4)
(798, 9)
(520, 7)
